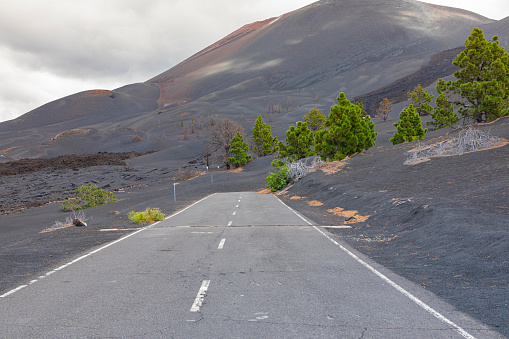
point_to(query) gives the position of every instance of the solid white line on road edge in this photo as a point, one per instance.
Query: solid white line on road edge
(13, 291)
(416, 300)
(336, 226)
(230, 223)
(182, 210)
(97, 250)
(291, 209)
(201, 295)
(221, 244)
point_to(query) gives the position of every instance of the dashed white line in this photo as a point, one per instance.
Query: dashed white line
(221, 244)
(198, 302)
(202, 232)
(234, 212)
(344, 226)
(230, 223)
(237, 206)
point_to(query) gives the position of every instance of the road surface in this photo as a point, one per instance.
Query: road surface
(236, 265)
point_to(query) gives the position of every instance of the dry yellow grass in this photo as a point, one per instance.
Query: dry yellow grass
(333, 167)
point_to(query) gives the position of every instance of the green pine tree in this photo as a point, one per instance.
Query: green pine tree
(443, 115)
(349, 130)
(299, 143)
(483, 80)
(315, 120)
(237, 154)
(421, 100)
(263, 143)
(409, 127)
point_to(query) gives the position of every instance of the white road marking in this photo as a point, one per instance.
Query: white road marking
(400, 289)
(100, 249)
(171, 216)
(198, 302)
(234, 212)
(230, 223)
(337, 226)
(13, 291)
(202, 232)
(237, 206)
(221, 244)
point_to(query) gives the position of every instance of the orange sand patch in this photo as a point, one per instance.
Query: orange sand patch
(295, 197)
(98, 92)
(264, 191)
(56, 228)
(70, 132)
(8, 149)
(352, 217)
(315, 203)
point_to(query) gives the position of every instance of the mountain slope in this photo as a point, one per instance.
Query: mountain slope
(316, 43)
(297, 61)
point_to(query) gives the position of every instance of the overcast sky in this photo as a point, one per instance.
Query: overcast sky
(53, 48)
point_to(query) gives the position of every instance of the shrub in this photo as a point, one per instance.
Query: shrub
(88, 196)
(148, 216)
(279, 179)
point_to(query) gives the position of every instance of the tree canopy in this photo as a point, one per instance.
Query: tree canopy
(299, 142)
(483, 80)
(349, 130)
(263, 143)
(384, 109)
(315, 120)
(409, 127)
(421, 100)
(237, 154)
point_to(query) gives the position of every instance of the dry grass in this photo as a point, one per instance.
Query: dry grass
(468, 140)
(334, 167)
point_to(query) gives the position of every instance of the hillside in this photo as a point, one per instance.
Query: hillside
(295, 62)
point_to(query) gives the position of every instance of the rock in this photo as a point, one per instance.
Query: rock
(79, 223)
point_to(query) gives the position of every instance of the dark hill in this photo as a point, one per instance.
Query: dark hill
(295, 62)
(316, 43)
(94, 105)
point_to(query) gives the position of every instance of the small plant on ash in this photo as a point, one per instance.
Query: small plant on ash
(88, 196)
(279, 179)
(148, 216)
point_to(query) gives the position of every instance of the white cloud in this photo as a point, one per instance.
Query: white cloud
(50, 49)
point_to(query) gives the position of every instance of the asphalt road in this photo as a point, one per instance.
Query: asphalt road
(239, 265)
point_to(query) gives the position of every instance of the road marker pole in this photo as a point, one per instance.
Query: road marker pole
(174, 192)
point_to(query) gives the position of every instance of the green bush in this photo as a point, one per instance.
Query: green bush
(279, 179)
(148, 216)
(88, 196)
